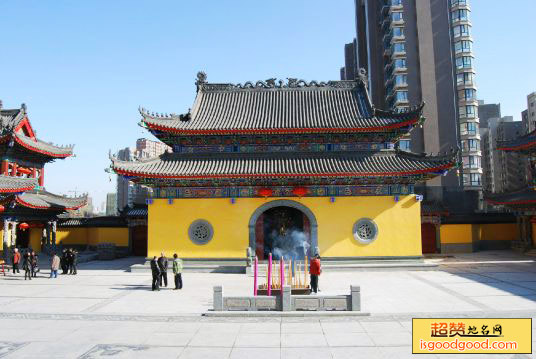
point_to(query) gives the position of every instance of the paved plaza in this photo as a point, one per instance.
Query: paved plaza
(106, 311)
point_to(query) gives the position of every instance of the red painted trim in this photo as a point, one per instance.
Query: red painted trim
(517, 148)
(281, 130)
(342, 174)
(26, 124)
(26, 204)
(513, 202)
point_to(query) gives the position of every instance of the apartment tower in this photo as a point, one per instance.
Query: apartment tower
(421, 50)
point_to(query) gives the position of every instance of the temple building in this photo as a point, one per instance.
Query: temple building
(290, 168)
(29, 212)
(523, 201)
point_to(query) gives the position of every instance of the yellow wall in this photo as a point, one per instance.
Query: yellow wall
(467, 233)
(498, 231)
(35, 238)
(456, 233)
(92, 236)
(399, 225)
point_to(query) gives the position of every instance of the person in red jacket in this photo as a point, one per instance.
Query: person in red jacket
(16, 260)
(315, 270)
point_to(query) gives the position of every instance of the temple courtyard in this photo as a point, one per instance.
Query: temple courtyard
(107, 311)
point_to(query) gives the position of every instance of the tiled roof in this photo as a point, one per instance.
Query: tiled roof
(11, 118)
(137, 212)
(525, 143)
(269, 108)
(40, 199)
(43, 147)
(105, 221)
(522, 198)
(238, 165)
(10, 184)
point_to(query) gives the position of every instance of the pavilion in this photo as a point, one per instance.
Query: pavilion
(288, 168)
(29, 212)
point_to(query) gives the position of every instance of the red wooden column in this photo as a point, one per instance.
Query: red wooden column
(5, 167)
(259, 237)
(14, 169)
(42, 177)
(34, 172)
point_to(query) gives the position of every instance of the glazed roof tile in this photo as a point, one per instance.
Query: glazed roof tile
(181, 166)
(266, 107)
(11, 118)
(41, 199)
(522, 198)
(525, 143)
(11, 184)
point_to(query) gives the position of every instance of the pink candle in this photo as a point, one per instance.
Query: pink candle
(270, 274)
(282, 273)
(255, 264)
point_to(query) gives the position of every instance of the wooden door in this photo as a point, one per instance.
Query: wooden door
(139, 241)
(428, 234)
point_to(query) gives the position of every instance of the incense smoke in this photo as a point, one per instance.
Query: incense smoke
(294, 244)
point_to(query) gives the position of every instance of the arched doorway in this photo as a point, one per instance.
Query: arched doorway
(283, 228)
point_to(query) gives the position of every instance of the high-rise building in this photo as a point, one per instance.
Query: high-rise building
(350, 69)
(531, 112)
(129, 193)
(146, 148)
(421, 51)
(502, 171)
(111, 204)
(487, 111)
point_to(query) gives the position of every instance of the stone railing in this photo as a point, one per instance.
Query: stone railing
(287, 302)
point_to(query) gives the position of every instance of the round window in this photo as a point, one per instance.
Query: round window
(365, 230)
(200, 231)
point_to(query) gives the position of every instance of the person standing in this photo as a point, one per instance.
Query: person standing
(155, 270)
(315, 270)
(15, 260)
(64, 260)
(27, 266)
(163, 266)
(177, 271)
(72, 262)
(54, 265)
(34, 261)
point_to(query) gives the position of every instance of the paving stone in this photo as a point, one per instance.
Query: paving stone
(213, 339)
(293, 340)
(255, 353)
(258, 340)
(356, 353)
(305, 353)
(205, 353)
(349, 339)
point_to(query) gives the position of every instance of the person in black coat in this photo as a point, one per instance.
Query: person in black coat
(27, 266)
(155, 270)
(73, 262)
(64, 261)
(163, 265)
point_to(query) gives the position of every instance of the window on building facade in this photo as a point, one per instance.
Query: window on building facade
(475, 179)
(461, 14)
(468, 128)
(400, 63)
(396, 16)
(464, 62)
(471, 162)
(399, 47)
(458, 2)
(471, 145)
(471, 111)
(461, 30)
(469, 94)
(401, 80)
(404, 145)
(396, 2)
(398, 31)
(463, 46)
(401, 96)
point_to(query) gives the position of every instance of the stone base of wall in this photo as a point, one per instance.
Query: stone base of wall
(484, 245)
(451, 248)
(285, 301)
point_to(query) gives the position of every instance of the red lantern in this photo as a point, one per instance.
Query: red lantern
(24, 226)
(299, 191)
(265, 192)
(2, 208)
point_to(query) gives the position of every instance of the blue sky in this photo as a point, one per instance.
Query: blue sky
(84, 67)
